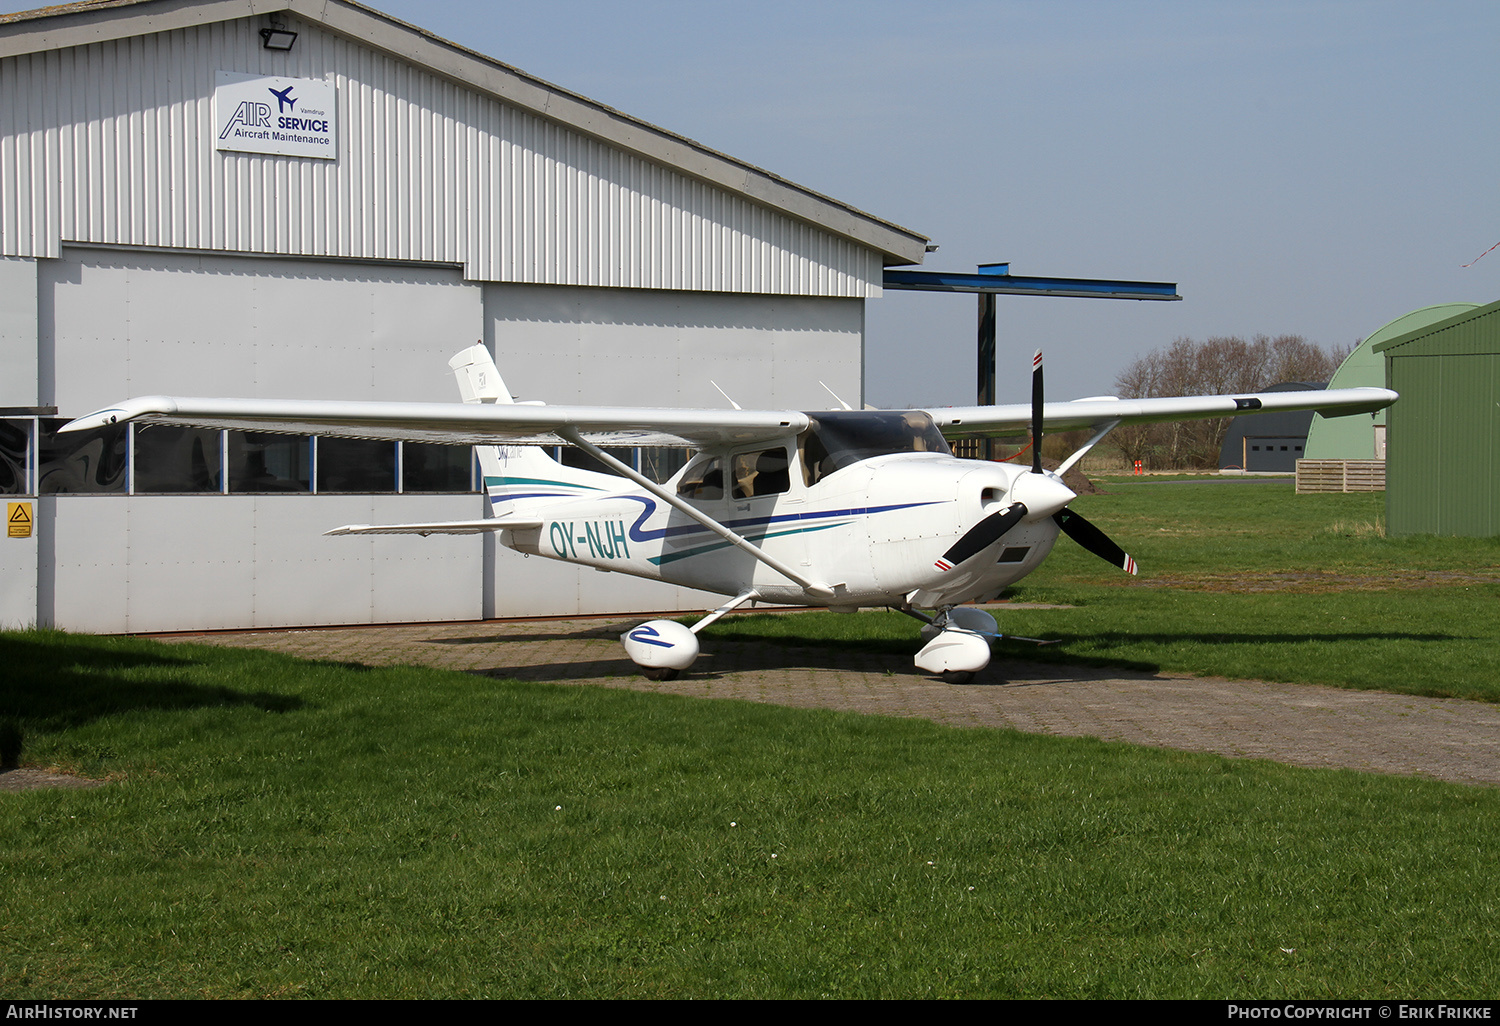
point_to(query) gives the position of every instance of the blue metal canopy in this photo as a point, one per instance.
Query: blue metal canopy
(990, 280)
(996, 279)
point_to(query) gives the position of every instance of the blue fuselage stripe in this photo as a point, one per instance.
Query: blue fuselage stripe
(639, 533)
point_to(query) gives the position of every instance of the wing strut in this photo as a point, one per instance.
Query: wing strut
(747, 595)
(573, 437)
(1073, 459)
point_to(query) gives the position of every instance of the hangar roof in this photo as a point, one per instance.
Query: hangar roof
(93, 21)
(1466, 331)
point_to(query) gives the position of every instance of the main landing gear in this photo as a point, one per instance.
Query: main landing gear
(957, 642)
(664, 648)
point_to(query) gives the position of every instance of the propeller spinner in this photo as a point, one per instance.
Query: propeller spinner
(1036, 497)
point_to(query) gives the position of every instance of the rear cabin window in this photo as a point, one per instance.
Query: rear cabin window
(751, 474)
(703, 481)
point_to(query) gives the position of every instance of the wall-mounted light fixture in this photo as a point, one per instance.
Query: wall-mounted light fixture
(277, 37)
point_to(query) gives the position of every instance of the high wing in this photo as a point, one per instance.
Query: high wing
(459, 423)
(519, 424)
(1015, 419)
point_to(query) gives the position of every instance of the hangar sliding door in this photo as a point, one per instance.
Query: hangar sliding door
(116, 323)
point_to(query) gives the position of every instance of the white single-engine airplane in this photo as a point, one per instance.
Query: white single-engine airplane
(842, 509)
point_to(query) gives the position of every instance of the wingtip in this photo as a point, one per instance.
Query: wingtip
(128, 410)
(93, 421)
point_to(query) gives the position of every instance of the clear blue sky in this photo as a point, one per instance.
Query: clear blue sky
(1316, 167)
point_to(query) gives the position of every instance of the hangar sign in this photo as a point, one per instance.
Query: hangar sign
(291, 117)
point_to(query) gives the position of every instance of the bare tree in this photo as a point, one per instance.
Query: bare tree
(1219, 365)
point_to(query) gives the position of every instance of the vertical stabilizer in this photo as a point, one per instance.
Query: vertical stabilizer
(516, 477)
(478, 378)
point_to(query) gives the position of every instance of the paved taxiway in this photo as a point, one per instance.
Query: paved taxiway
(1297, 724)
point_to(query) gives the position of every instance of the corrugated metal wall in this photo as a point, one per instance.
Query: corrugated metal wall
(1443, 458)
(112, 143)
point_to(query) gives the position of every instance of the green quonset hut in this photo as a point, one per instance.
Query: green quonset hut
(1352, 438)
(1443, 456)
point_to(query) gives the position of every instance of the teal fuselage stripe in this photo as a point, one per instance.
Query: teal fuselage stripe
(675, 556)
(492, 482)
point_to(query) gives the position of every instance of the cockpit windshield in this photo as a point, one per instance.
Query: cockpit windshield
(840, 439)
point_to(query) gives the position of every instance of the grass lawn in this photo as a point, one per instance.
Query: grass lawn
(280, 828)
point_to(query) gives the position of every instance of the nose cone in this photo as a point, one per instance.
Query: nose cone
(1043, 495)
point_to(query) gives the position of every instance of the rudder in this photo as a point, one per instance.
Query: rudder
(516, 477)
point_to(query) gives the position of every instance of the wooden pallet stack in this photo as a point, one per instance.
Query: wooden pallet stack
(1340, 476)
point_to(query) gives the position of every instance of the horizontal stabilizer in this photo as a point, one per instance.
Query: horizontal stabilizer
(440, 527)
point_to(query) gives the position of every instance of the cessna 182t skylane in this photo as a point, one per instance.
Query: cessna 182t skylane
(840, 509)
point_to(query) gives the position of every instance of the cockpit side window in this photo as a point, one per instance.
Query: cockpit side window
(837, 440)
(764, 472)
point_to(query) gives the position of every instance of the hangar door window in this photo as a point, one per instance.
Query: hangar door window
(356, 465)
(572, 456)
(426, 467)
(178, 460)
(157, 459)
(269, 463)
(661, 463)
(658, 463)
(15, 457)
(90, 462)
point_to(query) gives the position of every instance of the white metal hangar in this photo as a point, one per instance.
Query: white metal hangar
(308, 199)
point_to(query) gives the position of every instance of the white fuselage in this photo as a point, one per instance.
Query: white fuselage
(874, 531)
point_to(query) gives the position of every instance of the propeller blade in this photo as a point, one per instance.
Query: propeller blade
(1036, 413)
(982, 535)
(1093, 539)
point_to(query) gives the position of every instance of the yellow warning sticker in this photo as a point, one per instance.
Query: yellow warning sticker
(18, 519)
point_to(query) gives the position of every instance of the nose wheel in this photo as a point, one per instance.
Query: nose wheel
(958, 644)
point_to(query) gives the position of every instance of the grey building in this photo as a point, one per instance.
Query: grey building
(311, 200)
(1269, 442)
